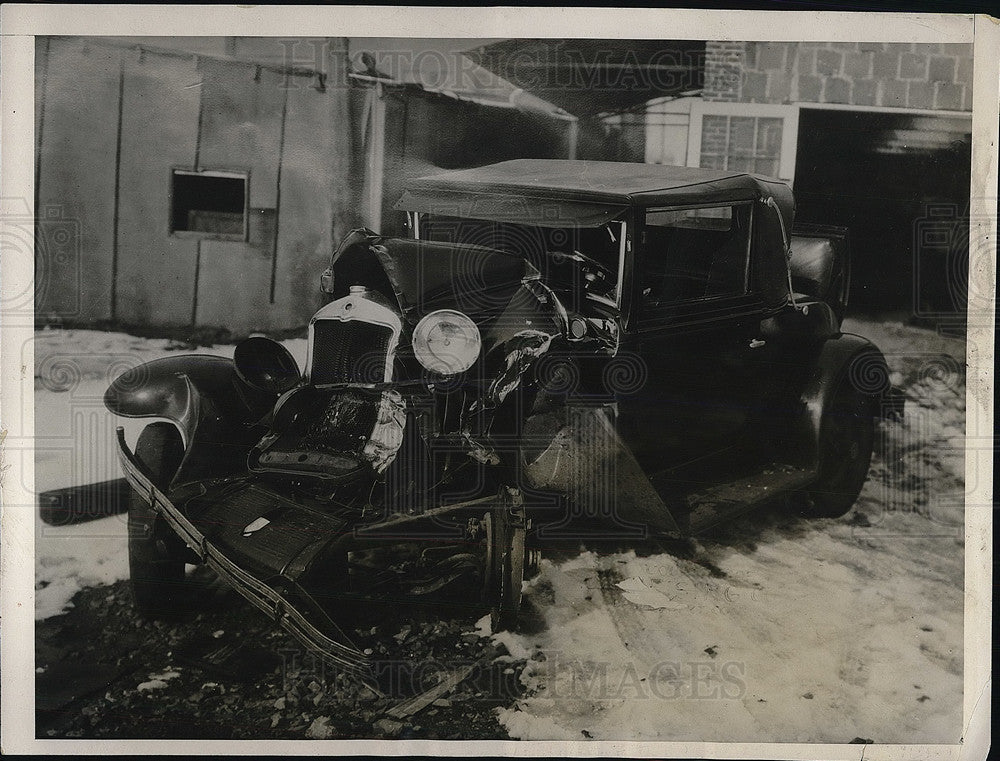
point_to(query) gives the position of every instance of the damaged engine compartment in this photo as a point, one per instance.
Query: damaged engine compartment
(410, 402)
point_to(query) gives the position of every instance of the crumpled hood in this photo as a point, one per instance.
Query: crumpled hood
(425, 275)
(473, 279)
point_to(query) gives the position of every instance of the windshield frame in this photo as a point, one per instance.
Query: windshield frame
(414, 218)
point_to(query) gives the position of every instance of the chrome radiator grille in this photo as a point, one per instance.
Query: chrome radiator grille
(349, 351)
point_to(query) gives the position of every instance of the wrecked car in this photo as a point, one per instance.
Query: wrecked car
(653, 348)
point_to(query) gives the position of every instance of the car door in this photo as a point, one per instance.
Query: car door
(694, 332)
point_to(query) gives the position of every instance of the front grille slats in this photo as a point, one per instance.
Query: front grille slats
(350, 351)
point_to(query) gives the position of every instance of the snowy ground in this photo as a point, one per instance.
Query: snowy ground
(777, 629)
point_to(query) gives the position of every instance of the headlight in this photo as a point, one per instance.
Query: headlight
(446, 342)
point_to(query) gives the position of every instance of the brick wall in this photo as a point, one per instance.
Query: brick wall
(723, 69)
(903, 75)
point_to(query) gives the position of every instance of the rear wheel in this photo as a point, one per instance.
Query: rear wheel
(155, 553)
(847, 433)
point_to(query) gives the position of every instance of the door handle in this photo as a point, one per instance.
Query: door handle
(756, 343)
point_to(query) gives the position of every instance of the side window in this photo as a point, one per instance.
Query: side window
(690, 254)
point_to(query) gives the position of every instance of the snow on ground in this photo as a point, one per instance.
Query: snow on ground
(777, 629)
(157, 681)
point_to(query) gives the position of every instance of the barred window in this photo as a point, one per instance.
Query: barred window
(742, 143)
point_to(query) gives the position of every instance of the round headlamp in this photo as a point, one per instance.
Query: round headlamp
(446, 342)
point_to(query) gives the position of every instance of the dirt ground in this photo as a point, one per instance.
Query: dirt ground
(225, 671)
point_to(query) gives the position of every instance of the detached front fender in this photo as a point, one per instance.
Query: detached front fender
(574, 450)
(201, 396)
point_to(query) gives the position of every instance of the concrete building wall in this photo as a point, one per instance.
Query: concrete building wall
(321, 153)
(936, 76)
(155, 277)
(75, 166)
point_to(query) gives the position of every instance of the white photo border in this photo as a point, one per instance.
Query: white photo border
(19, 24)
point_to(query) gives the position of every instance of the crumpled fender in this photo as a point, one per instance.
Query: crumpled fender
(575, 450)
(199, 394)
(533, 319)
(519, 353)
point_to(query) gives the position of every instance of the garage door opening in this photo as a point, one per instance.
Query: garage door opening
(900, 184)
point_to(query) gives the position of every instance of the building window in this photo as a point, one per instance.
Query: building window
(741, 143)
(744, 137)
(209, 204)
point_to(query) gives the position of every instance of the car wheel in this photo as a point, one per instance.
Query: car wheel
(155, 553)
(846, 437)
(505, 563)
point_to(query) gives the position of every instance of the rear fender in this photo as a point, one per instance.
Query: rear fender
(200, 395)
(846, 358)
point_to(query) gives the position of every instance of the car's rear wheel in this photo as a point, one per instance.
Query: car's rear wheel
(155, 553)
(846, 438)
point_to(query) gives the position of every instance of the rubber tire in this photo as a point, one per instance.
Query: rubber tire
(508, 559)
(155, 553)
(846, 440)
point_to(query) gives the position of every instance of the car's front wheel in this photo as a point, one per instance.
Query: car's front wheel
(155, 553)
(846, 439)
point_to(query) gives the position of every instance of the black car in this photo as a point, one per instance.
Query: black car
(646, 345)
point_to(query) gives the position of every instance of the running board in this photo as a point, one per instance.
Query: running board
(715, 504)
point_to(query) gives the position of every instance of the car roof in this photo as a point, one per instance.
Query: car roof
(612, 181)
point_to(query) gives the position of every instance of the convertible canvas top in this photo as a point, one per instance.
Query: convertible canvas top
(558, 192)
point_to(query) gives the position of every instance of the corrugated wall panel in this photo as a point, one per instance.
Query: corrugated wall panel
(241, 130)
(268, 282)
(156, 271)
(76, 182)
(235, 279)
(315, 162)
(241, 125)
